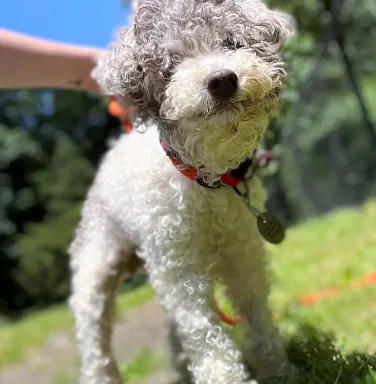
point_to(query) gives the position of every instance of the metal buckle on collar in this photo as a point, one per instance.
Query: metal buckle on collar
(200, 181)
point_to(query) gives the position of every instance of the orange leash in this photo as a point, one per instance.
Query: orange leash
(315, 297)
(122, 114)
(233, 321)
(311, 299)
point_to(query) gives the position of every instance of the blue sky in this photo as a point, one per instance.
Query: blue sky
(88, 22)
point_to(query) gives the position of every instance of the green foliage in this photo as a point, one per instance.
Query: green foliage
(321, 137)
(64, 180)
(369, 379)
(18, 153)
(19, 156)
(320, 361)
(43, 265)
(50, 144)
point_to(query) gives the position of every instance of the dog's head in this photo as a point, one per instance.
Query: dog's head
(209, 72)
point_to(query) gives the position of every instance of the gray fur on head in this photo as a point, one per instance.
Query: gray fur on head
(165, 32)
(161, 62)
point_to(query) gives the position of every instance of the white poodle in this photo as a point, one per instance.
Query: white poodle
(205, 77)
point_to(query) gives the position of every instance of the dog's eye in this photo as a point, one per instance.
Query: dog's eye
(233, 45)
(166, 74)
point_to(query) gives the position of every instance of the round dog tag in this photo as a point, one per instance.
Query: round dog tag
(271, 228)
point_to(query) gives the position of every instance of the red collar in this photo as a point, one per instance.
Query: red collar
(231, 178)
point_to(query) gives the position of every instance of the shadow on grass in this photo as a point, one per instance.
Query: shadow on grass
(321, 362)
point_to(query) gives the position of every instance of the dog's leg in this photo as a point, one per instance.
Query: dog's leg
(186, 293)
(97, 269)
(248, 289)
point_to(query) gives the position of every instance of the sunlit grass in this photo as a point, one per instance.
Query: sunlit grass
(333, 251)
(144, 364)
(19, 338)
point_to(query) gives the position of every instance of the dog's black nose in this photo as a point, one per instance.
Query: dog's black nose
(222, 84)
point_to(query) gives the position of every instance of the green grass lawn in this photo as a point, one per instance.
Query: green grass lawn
(329, 252)
(143, 365)
(331, 341)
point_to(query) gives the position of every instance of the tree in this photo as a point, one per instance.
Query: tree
(19, 156)
(50, 145)
(323, 135)
(43, 263)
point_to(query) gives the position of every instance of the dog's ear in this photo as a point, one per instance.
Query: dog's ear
(117, 71)
(270, 27)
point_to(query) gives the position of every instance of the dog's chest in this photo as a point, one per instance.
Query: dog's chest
(146, 194)
(224, 217)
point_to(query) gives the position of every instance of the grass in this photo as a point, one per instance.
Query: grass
(332, 341)
(62, 378)
(141, 366)
(134, 299)
(20, 338)
(321, 361)
(144, 364)
(329, 252)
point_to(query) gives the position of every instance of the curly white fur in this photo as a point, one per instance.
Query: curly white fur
(139, 204)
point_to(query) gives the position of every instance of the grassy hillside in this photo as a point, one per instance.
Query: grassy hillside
(329, 252)
(338, 251)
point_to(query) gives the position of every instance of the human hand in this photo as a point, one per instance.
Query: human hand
(29, 62)
(85, 65)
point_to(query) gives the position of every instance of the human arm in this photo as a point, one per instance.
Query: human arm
(28, 62)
